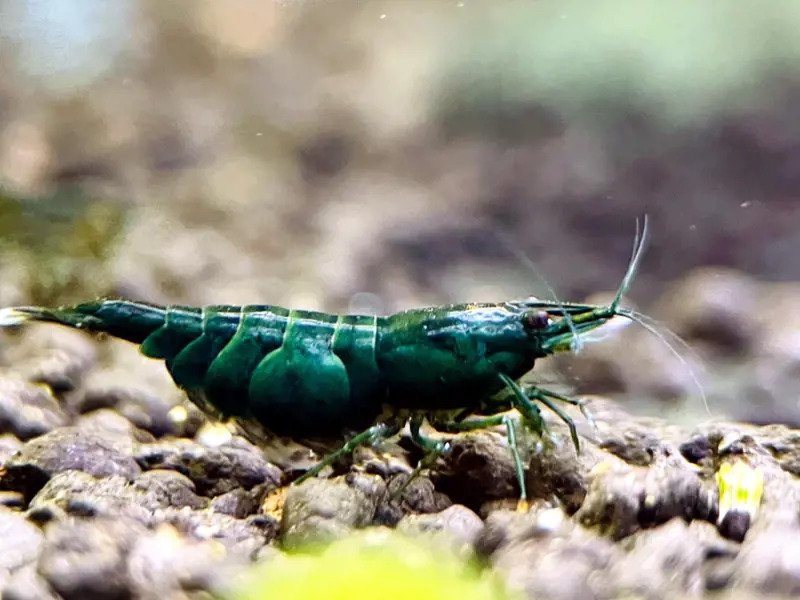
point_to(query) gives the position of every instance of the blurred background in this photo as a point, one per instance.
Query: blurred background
(383, 155)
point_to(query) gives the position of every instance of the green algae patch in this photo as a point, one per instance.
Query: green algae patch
(375, 563)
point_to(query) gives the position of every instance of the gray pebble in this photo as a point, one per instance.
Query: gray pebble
(144, 499)
(107, 421)
(623, 498)
(321, 510)
(240, 537)
(457, 522)
(214, 471)
(9, 446)
(87, 559)
(479, 467)
(404, 498)
(58, 369)
(68, 449)
(20, 540)
(662, 560)
(237, 503)
(142, 406)
(163, 562)
(768, 563)
(714, 305)
(28, 410)
(561, 563)
(27, 584)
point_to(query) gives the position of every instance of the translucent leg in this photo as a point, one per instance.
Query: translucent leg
(547, 398)
(531, 414)
(574, 401)
(522, 402)
(378, 432)
(432, 449)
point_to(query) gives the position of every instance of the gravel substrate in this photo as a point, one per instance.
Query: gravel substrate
(98, 500)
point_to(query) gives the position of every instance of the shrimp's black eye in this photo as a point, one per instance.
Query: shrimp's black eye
(537, 320)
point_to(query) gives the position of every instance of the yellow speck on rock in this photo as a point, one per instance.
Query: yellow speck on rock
(274, 501)
(741, 487)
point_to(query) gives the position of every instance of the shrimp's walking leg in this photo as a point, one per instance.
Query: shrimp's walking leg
(432, 449)
(376, 433)
(547, 398)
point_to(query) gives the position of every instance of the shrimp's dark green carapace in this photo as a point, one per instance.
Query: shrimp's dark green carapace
(306, 374)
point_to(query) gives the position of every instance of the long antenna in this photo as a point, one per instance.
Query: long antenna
(650, 325)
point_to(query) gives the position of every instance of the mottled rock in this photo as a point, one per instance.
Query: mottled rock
(660, 561)
(624, 498)
(58, 369)
(559, 471)
(85, 559)
(143, 406)
(238, 503)
(697, 450)
(27, 409)
(635, 441)
(164, 562)
(478, 467)
(20, 540)
(68, 449)
(106, 421)
(387, 460)
(405, 497)
(169, 488)
(321, 510)
(506, 527)
(145, 499)
(457, 522)
(27, 584)
(543, 555)
(769, 562)
(240, 537)
(9, 445)
(214, 471)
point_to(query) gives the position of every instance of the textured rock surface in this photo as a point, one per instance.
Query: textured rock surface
(107, 490)
(295, 153)
(102, 509)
